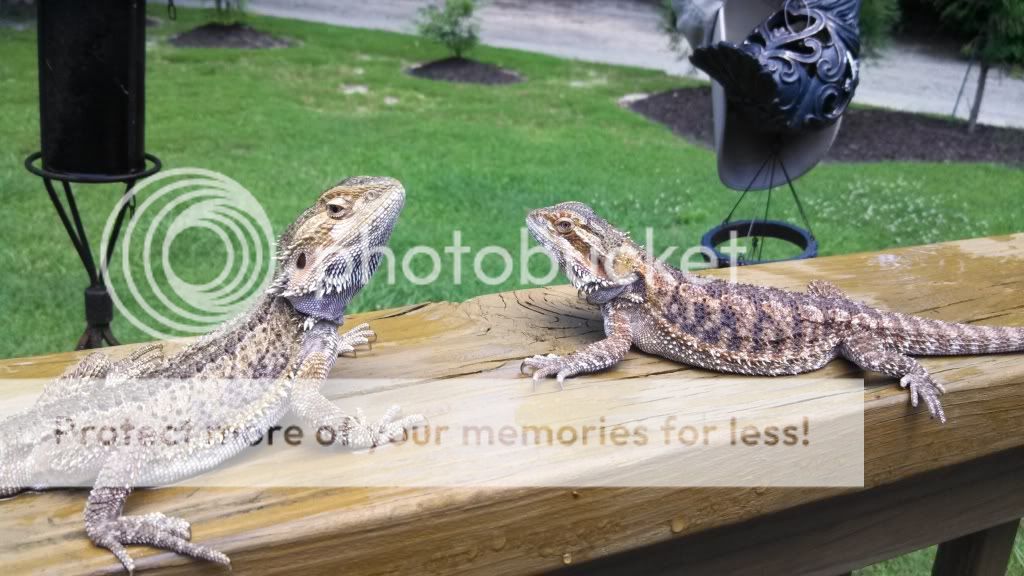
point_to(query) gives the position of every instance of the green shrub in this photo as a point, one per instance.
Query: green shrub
(450, 24)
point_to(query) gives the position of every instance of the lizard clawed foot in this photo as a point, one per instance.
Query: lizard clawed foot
(922, 386)
(551, 365)
(389, 428)
(155, 529)
(358, 336)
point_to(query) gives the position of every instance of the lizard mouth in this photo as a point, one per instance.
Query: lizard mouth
(588, 283)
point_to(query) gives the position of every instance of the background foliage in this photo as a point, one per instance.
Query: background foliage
(450, 24)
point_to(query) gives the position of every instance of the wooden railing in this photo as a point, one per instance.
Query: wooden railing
(960, 484)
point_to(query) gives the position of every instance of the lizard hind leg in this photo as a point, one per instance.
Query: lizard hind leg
(109, 528)
(867, 352)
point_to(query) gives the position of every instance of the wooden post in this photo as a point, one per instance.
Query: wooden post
(984, 553)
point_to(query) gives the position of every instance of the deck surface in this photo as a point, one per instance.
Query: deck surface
(527, 530)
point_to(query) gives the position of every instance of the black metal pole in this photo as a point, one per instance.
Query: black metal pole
(91, 123)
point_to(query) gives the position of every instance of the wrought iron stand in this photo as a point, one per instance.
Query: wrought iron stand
(99, 308)
(92, 69)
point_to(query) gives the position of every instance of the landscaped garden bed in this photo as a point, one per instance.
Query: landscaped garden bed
(457, 69)
(452, 25)
(234, 35)
(867, 134)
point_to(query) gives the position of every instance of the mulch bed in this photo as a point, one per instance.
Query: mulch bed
(217, 35)
(867, 135)
(465, 70)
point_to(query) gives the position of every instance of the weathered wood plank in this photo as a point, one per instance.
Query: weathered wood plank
(514, 531)
(983, 553)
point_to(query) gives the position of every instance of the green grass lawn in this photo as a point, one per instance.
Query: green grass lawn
(472, 158)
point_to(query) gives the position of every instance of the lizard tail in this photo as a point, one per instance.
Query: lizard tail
(924, 337)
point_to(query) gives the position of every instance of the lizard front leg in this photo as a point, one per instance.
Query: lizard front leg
(591, 358)
(109, 528)
(320, 349)
(868, 353)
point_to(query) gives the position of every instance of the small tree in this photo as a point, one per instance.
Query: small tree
(451, 24)
(995, 33)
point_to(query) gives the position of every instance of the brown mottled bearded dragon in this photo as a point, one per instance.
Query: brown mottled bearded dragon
(736, 328)
(240, 379)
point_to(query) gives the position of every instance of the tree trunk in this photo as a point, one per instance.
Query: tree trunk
(978, 95)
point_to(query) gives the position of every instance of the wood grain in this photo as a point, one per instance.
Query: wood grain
(528, 530)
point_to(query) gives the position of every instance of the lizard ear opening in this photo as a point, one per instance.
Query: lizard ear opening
(300, 262)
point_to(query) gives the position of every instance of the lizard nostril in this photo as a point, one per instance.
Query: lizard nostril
(301, 262)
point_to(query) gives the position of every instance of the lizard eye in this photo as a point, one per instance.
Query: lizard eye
(563, 225)
(336, 210)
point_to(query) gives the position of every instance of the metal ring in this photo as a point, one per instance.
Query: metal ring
(91, 178)
(762, 228)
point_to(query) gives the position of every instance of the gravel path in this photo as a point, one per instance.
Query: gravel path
(905, 76)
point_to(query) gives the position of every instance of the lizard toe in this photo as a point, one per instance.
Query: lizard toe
(156, 530)
(922, 387)
(562, 375)
(361, 335)
(543, 372)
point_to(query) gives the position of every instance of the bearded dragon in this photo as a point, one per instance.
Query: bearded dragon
(731, 327)
(237, 380)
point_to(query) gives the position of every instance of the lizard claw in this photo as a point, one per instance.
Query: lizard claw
(540, 367)
(155, 529)
(358, 336)
(389, 428)
(922, 387)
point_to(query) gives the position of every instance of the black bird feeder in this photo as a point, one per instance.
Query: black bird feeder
(92, 67)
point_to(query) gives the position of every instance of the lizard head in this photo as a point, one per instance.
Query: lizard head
(333, 248)
(599, 260)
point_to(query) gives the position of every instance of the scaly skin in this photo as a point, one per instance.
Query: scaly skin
(736, 328)
(239, 380)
